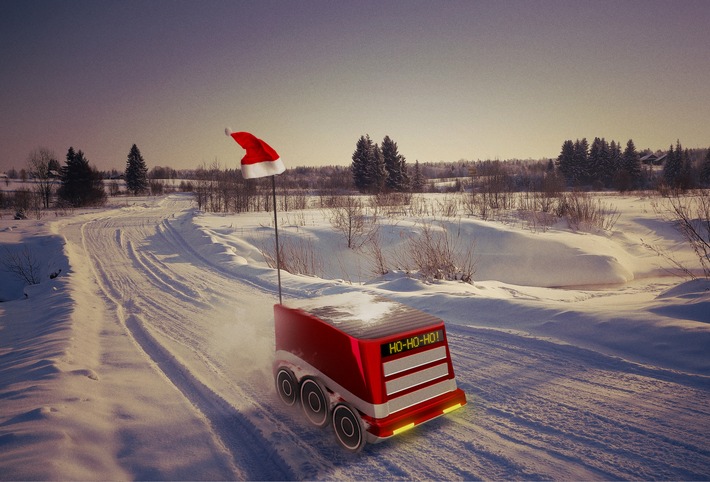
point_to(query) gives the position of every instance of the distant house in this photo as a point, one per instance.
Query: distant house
(654, 160)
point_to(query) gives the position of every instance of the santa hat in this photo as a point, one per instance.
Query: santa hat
(261, 159)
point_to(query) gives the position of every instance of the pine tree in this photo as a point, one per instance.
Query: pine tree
(368, 166)
(405, 181)
(565, 161)
(81, 184)
(361, 159)
(395, 165)
(600, 169)
(377, 170)
(630, 169)
(136, 172)
(595, 161)
(612, 162)
(686, 171)
(673, 167)
(705, 171)
(417, 178)
(581, 161)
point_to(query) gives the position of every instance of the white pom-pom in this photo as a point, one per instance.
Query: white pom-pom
(228, 131)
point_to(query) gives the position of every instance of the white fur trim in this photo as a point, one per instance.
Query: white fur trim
(263, 169)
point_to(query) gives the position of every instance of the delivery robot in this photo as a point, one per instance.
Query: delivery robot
(370, 367)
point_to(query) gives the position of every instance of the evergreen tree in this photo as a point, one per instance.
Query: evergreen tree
(405, 181)
(600, 168)
(705, 171)
(673, 167)
(136, 172)
(613, 163)
(417, 178)
(629, 175)
(595, 161)
(361, 158)
(565, 161)
(377, 170)
(686, 171)
(368, 166)
(81, 184)
(580, 161)
(395, 165)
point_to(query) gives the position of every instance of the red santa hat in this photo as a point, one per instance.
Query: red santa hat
(261, 159)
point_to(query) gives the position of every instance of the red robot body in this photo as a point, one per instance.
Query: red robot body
(369, 366)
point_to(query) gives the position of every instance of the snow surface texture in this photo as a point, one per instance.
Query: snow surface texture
(149, 356)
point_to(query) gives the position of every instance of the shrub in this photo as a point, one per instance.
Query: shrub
(438, 254)
(584, 211)
(297, 256)
(691, 216)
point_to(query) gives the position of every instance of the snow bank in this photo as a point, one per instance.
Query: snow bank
(549, 259)
(38, 252)
(687, 301)
(605, 305)
(35, 334)
(502, 253)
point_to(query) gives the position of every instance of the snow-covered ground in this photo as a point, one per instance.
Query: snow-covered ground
(149, 355)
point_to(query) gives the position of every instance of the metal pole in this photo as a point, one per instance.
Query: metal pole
(276, 229)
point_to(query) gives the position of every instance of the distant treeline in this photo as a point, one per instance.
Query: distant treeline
(376, 169)
(580, 165)
(603, 165)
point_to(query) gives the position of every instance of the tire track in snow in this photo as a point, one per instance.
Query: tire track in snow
(586, 410)
(259, 284)
(250, 450)
(162, 279)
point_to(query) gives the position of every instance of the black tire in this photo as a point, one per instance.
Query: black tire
(348, 427)
(287, 386)
(314, 401)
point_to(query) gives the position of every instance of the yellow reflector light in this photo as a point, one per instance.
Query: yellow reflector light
(403, 429)
(452, 408)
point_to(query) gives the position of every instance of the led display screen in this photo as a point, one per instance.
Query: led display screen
(411, 342)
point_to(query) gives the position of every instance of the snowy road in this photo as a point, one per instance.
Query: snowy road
(183, 350)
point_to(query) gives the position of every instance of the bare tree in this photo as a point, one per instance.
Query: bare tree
(22, 264)
(691, 215)
(350, 219)
(373, 249)
(41, 162)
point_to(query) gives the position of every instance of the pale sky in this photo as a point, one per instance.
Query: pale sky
(446, 80)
